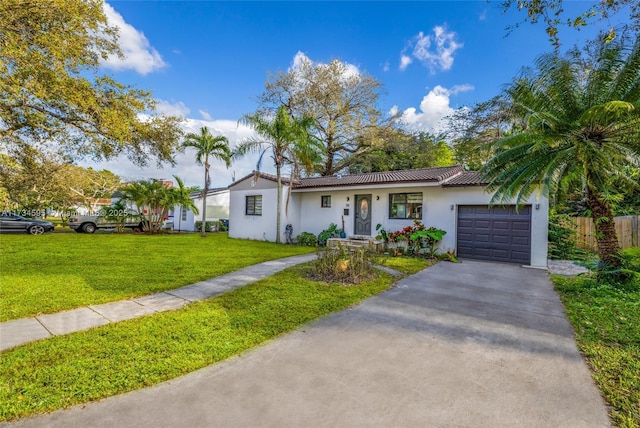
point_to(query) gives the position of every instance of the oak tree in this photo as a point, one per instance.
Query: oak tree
(52, 90)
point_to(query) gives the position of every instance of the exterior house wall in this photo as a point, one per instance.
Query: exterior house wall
(262, 227)
(436, 211)
(220, 199)
(306, 214)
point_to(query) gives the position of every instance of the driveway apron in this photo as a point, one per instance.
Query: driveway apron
(473, 344)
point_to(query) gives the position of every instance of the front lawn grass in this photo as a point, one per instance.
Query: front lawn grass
(407, 265)
(93, 364)
(607, 324)
(55, 272)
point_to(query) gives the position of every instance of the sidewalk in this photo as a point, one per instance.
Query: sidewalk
(17, 332)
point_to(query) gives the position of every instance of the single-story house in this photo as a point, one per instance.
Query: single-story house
(448, 198)
(217, 209)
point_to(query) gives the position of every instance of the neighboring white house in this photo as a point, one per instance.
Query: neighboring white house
(448, 198)
(217, 209)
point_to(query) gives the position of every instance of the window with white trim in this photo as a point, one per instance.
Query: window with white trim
(325, 201)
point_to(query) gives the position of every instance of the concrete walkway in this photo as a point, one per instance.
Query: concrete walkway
(17, 332)
(457, 345)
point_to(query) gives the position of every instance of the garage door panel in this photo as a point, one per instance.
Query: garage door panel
(520, 240)
(501, 224)
(521, 225)
(501, 239)
(496, 233)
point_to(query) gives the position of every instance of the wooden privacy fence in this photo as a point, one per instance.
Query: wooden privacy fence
(626, 229)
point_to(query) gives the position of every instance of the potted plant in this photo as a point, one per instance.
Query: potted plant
(342, 232)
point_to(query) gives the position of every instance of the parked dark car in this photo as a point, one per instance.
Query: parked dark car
(10, 222)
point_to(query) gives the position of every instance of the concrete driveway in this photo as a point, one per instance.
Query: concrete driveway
(458, 345)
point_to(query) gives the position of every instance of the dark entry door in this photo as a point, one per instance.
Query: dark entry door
(363, 215)
(495, 233)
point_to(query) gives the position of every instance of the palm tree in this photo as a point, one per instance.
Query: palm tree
(289, 141)
(581, 124)
(208, 145)
(181, 196)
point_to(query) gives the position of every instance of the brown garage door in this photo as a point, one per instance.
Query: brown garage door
(495, 233)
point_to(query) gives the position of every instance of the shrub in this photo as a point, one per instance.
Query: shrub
(307, 239)
(333, 231)
(563, 238)
(339, 265)
(219, 226)
(208, 226)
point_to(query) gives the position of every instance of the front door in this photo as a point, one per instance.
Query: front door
(363, 215)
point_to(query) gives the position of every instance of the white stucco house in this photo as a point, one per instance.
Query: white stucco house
(217, 209)
(448, 198)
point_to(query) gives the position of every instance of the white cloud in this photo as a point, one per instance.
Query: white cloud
(139, 55)
(404, 62)
(433, 108)
(435, 51)
(385, 66)
(205, 115)
(176, 109)
(186, 168)
(483, 15)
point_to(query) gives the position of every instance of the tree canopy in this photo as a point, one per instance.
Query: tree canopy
(397, 150)
(52, 92)
(341, 103)
(581, 121)
(552, 13)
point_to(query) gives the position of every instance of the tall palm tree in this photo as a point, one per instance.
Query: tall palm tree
(581, 124)
(289, 141)
(206, 146)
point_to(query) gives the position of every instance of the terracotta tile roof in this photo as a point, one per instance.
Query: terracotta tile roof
(467, 178)
(434, 175)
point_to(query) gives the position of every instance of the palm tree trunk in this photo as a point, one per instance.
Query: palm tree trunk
(608, 246)
(204, 198)
(278, 209)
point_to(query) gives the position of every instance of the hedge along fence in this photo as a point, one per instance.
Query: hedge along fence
(626, 229)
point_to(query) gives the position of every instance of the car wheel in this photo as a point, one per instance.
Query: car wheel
(89, 228)
(36, 230)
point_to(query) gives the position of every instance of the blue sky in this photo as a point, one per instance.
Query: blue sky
(208, 61)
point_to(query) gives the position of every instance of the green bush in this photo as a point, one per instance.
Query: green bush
(563, 239)
(333, 231)
(346, 267)
(219, 226)
(208, 226)
(307, 239)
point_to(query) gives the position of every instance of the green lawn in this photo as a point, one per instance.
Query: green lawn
(408, 265)
(54, 272)
(89, 365)
(607, 324)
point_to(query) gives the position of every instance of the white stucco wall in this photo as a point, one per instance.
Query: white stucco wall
(221, 198)
(262, 227)
(437, 202)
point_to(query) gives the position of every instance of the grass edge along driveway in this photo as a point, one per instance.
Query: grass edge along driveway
(606, 320)
(66, 370)
(51, 273)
